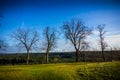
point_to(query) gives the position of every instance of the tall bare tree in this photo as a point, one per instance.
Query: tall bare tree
(26, 38)
(76, 32)
(49, 42)
(101, 35)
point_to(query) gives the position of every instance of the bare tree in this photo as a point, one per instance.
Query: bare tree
(49, 42)
(26, 38)
(102, 42)
(76, 32)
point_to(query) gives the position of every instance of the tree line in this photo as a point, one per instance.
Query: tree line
(59, 57)
(75, 31)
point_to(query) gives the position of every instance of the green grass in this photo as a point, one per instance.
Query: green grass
(62, 71)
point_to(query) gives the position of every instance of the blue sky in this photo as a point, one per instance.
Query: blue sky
(42, 13)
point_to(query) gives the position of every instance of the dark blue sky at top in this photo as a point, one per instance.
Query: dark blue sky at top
(42, 13)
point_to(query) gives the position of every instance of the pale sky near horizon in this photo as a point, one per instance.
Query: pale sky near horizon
(41, 13)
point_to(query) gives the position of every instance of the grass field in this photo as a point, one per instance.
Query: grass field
(62, 71)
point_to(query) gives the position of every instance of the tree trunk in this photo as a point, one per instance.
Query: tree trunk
(84, 57)
(76, 55)
(47, 55)
(103, 56)
(28, 57)
(111, 56)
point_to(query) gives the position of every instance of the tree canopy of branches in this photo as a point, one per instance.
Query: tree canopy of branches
(26, 38)
(101, 35)
(76, 32)
(49, 42)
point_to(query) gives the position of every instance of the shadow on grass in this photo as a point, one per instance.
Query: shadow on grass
(99, 72)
